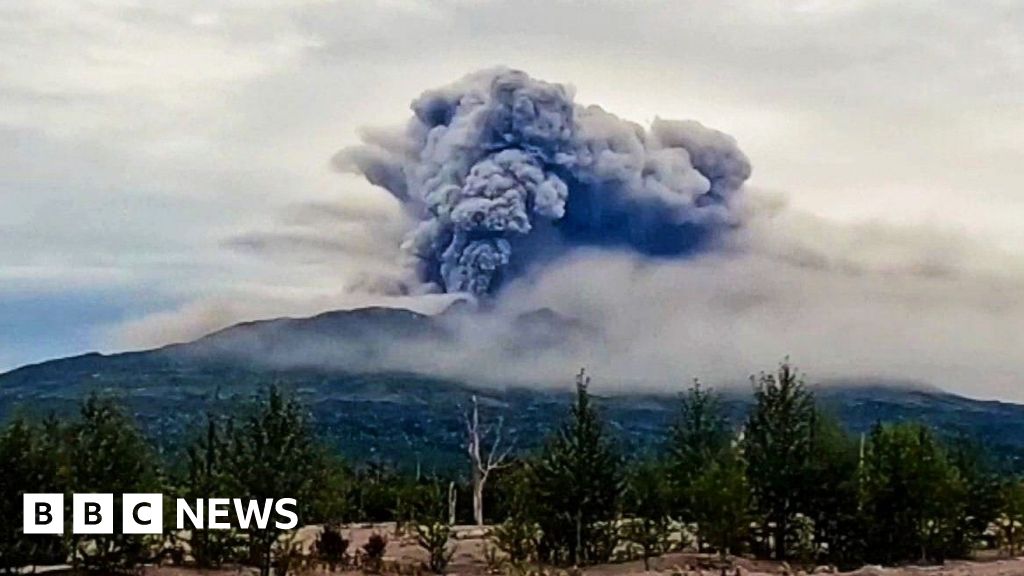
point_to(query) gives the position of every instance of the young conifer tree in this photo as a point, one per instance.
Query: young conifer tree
(274, 455)
(106, 453)
(696, 439)
(30, 460)
(576, 483)
(777, 448)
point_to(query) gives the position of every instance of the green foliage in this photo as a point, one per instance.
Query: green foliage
(820, 495)
(373, 553)
(517, 538)
(721, 497)
(575, 485)
(331, 500)
(913, 496)
(699, 434)
(833, 496)
(1011, 516)
(433, 531)
(209, 475)
(375, 493)
(29, 458)
(434, 536)
(275, 455)
(777, 447)
(518, 535)
(982, 487)
(331, 547)
(507, 492)
(648, 500)
(107, 454)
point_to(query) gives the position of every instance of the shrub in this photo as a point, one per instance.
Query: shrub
(331, 547)
(517, 538)
(433, 537)
(373, 553)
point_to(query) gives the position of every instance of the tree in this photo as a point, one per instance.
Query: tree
(647, 499)
(777, 445)
(273, 455)
(517, 536)
(208, 475)
(833, 494)
(483, 460)
(721, 498)
(1011, 517)
(107, 454)
(913, 496)
(982, 487)
(30, 458)
(699, 434)
(333, 487)
(575, 484)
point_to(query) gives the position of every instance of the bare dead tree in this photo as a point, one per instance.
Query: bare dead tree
(453, 498)
(484, 460)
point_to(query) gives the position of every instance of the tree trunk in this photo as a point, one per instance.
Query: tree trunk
(453, 496)
(478, 498)
(780, 538)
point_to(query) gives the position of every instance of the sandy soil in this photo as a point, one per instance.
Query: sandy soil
(403, 555)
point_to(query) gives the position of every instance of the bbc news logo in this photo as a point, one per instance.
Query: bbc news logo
(143, 513)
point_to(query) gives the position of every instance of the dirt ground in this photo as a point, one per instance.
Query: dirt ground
(403, 554)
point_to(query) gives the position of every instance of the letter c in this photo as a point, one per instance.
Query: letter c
(135, 513)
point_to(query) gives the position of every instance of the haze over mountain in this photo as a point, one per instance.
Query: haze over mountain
(339, 363)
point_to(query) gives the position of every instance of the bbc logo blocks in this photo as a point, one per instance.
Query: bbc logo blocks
(93, 513)
(43, 513)
(142, 514)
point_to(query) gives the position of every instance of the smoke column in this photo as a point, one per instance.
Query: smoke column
(503, 171)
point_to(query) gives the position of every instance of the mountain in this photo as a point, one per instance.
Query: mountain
(377, 414)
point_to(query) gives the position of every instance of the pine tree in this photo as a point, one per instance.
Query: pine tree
(698, 436)
(913, 496)
(29, 459)
(721, 502)
(982, 487)
(833, 493)
(274, 455)
(517, 536)
(576, 483)
(777, 447)
(209, 476)
(647, 499)
(118, 461)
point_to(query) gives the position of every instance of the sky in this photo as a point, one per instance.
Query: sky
(165, 168)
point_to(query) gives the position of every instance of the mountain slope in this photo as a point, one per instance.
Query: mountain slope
(411, 418)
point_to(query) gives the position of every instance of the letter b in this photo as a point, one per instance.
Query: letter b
(92, 514)
(43, 514)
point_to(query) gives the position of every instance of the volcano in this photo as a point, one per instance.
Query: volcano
(409, 418)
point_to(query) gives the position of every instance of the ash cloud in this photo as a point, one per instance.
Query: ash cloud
(501, 171)
(863, 300)
(504, 186)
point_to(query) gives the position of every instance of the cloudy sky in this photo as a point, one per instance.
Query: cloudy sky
(165, 168)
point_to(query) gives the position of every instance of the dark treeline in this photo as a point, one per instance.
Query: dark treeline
(789, 484)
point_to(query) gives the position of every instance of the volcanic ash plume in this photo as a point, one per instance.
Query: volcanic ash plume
(503, 171)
